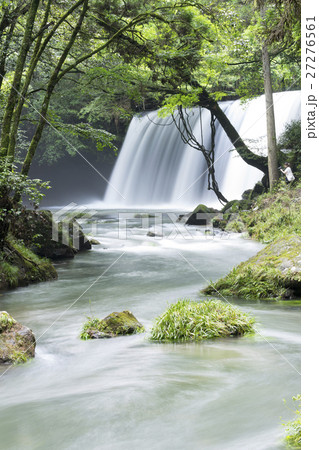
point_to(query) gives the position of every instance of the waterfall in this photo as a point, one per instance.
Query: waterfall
(155, 168)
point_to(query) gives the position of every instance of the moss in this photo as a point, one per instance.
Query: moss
(191, 320)
(196, 216)
(275, 214)
(19, 266)
(115, 324)
(17, 342)
(273, 273)
(18, 357)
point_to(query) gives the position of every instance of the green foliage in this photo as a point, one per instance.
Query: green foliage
(20, 266)
(6, 321)
(18, 357)
(275, 214)
(15, 188)
(13, 184)
(190, 320)
(293, 428)
(9, 273)
(92, 322)
(290, 139)
(249, 282)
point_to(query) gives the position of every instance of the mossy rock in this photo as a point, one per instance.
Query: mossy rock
(235, 206)
(19, 266)
(36, 229)
(275, 272)
(94, 242)
(17, 342)
(194, 219)
(115, 324)
(189, 320)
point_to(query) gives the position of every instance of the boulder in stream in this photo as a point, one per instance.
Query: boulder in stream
(202, 215)
(115, 324)
(17, 342)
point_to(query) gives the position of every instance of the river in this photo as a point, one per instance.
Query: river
(128, 392)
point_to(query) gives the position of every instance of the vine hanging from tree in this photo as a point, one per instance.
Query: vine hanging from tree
(182, 122)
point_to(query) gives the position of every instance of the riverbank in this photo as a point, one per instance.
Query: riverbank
(34, 241)
(275, 272)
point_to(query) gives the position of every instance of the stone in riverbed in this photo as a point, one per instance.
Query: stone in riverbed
(202, 215)
(115, 324)
(94, 242)
(17, 342)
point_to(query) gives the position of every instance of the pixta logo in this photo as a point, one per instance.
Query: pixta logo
(66, 228)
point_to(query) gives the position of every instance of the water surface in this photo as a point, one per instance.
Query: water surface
(128, 392)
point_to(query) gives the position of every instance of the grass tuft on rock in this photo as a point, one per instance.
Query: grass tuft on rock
(190, 320)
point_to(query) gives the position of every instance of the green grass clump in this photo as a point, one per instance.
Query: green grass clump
(191, 320)
(6, 321)
(91, 323)
(9, 274)
(293, 428)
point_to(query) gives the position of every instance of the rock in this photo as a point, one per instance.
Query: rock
(121, 323)
(45, 237)
(202, 215)
(94, 242)
(152, 234)
(20, 266)
(115, 324)
(17, 342)
(275, 272)
(181, 218)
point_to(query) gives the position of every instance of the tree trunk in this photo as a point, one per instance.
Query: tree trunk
(260, 162)
(37, 52)
(270, 118)
(15, 88)
(50, 88)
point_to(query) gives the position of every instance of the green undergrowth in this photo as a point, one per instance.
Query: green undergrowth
(293, 427)
(190, 320)
(275, 214)
(275, 272)
(19, 266)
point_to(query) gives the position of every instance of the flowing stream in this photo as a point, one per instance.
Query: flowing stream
(128, 392)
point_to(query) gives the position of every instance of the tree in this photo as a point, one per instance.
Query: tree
(193, 58)
(65, 38)
(170, 53)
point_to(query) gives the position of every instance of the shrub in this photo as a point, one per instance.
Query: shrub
(291, 139)
(293, 428)
(191, 320)
(275, 214)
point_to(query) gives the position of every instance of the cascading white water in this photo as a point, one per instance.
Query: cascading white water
(156, 169)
